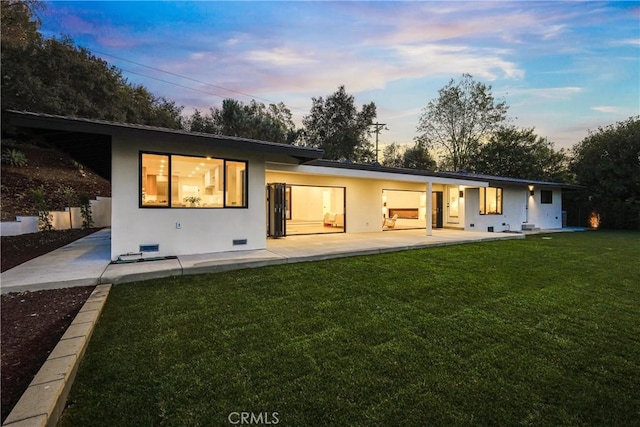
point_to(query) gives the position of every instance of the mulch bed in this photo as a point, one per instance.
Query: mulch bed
(32, 325)
(19, 249)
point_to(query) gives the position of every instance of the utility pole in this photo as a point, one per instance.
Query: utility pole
(379, 127)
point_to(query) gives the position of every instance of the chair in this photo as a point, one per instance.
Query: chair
(390, 222)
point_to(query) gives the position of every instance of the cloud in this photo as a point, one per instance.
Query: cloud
(552, 31)
(626, 42)
(455, 59)
(554, 93)
(606, 109)
(279, 57)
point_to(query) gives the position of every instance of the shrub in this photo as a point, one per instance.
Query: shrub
(44, 215)
(13, 157)
(85, 211)
(69, 196)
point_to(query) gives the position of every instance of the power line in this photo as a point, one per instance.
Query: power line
(172, 83)
(182, 77)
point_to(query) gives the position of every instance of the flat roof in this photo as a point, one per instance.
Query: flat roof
(77, 125)
(490, 179)
(80, 134)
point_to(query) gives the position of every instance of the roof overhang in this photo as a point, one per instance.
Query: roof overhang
(375, 172)
(497, 181)
(30, 120)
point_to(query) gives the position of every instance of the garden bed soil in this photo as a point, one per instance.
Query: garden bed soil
(32, 325)
(19, 249)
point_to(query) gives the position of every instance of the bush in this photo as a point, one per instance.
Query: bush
(44, 215)
(13, 157)
(85, 211)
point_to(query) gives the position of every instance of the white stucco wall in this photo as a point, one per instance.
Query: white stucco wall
(202, 230)
(513, 211)
(545, 216)
(519, 207)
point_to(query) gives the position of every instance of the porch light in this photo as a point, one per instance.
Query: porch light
(461, 194)
(594, 220)
(531, 192)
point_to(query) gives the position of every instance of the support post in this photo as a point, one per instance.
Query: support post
(429, 213)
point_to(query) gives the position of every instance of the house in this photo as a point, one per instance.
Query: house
(176, 192)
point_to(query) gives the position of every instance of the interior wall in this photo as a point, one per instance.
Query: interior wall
(306, 203)
(454, 206)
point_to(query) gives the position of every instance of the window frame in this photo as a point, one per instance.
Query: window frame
(484, 210)
(170, 174)
(544, 200)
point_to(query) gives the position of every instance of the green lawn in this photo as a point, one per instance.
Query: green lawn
(541, 331)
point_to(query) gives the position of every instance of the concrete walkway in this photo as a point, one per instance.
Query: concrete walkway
(86, 261)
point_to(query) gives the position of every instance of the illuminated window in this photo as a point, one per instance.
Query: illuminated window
(235, 184)
(491, 201)
(154, 180)
(192, 182)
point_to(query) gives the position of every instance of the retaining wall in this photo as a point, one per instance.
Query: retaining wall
(100, 210)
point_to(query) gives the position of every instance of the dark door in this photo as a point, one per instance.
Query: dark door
(436, 214)
(277, 209)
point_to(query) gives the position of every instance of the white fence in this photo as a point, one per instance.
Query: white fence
(100, 210)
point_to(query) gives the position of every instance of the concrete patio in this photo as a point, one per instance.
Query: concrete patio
(86, 262)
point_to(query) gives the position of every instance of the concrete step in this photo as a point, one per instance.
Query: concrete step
(530, 227)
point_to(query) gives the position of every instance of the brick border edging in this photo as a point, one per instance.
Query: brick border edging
(45, 398)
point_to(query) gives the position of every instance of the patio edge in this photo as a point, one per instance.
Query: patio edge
(44, 400)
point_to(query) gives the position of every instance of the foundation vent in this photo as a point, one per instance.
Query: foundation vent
(237, 242)
(149, 248)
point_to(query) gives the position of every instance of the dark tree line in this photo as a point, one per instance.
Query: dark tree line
(607, 163)
(50, 75)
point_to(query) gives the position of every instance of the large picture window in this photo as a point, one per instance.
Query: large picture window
(176, 181)
(491, 201)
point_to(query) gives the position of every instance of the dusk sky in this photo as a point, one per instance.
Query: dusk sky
(563, 67)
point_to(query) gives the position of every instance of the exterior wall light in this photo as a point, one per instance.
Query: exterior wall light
(461, 195)
(531, 192)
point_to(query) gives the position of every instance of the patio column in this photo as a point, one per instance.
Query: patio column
(429, 214)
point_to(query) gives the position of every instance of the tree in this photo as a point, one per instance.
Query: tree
(520, 153)
(336, 126)
(255, 120)
(55, 76)
(418, 157)
(392, 156)
(460, 119)
(607, 162)
(20, 23)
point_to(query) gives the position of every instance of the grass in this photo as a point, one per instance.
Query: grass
(541, 331)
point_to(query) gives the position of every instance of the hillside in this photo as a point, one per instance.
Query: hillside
(52, 169)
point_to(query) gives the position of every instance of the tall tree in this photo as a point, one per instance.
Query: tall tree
(607, 162)
(460, 119)
(256, 120)
(392, 155)
(55, 76)
(520, 153)
(418, 157)
(20, 23)
(336, 126)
